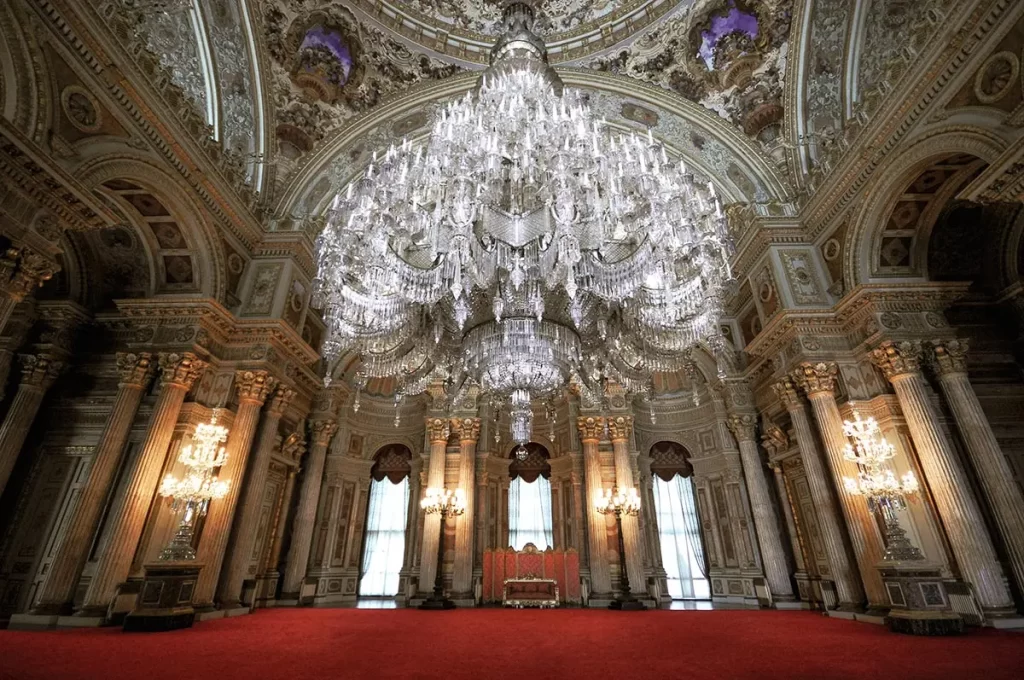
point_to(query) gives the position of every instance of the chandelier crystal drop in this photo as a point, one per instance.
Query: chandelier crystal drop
(525, 246)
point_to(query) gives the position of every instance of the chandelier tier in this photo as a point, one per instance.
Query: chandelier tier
(525, 246)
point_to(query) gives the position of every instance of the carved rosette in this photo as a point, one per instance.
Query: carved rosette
(949, 356)
(135, 370)
(39, 370)
(817, 378)
(897, 359)
(437, 430)
(28, 270)
(743, 426)
(620, 428)
(590, 427)
(254, 386)
(786, 390)
(181, 369)
(283, 397)
(468, 429)
(323, 431)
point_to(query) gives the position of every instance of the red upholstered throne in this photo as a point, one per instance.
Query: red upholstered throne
(526, 571)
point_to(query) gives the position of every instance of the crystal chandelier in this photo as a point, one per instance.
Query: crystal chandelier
(885, 494)
(191, 495)
(524, 247)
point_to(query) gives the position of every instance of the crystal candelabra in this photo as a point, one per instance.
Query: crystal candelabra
(191, 494)
(885, 494)
(615, 502)
(526, 245)
(446, 504)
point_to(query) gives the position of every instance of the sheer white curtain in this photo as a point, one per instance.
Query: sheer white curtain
(385, 537)
(679, 529)
(529, 513)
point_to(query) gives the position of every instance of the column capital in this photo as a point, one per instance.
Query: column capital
(254, 386)
(27, 270)
(816, 378)
(948, 356)
(180, 368)
(135, 369)
(788, 393)
(743, 426)
(620, 428)
(590, 427)
(468, 429)
(294, 446)
(896, 359)
(39, 370)
(282, 399)
(438, 430)
(323, 431)
(774, 440)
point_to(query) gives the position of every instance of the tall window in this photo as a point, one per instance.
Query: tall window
(682, 551)
(529, 500)
(384, 548)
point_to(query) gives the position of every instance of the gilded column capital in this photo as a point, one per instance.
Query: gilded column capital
(294, 446)
(39, 370)
(254, 386)
(438, 430)
(323, 431)
(949, 356)
(180, 368)
(816, 378)
(774, 440)
(897, 359)
(590, 427)
(787, 392)
(27, 270)
(743, 426)
(468, 429)
(135, 369)
(620, 428)
(281, 400)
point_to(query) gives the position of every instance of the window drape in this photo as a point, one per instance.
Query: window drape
(385, 537)
(682, 551)
(529, 513)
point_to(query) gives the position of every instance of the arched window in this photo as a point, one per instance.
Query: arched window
(682, 550)
(384, 548)
(529, 499)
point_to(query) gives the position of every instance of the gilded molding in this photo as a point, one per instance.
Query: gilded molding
(590, 427)
(620, 428)
(438, 430)
(467, 429)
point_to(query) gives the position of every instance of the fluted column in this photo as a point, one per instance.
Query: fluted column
(22, 271)
(136, 372)
(253, 389)
(620, 430)
(178, 372)
(579, 525)
(766, 523)
(246, 525)
(782, 489)
(956, 505)
(280, 521)
(847, 582)
(468, 431)
(38, 371)
(437, 433)
(305, 514)
(818, 381)
(480, 519)
(590, 428)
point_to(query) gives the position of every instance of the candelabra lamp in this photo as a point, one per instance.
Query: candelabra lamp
(446, 504)
(917, 593)
(617, 503)
(165, 601)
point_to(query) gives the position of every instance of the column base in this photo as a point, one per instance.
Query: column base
(32, 622)
(208, 613)
(790, 605)
(1014, 623)
(436, 603)
(165, 602)
(627, 606)
(159, 620)
(912, 622)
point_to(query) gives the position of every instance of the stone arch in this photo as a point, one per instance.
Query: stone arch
(536, 464)
(23, 74)
(392, 461)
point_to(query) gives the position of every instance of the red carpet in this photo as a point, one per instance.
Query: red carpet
(524, 645)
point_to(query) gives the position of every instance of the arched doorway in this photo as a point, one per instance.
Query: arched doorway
(682, 548)
(384, 543)
(529, 499)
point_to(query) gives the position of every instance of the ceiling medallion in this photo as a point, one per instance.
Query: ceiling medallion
(525, 246)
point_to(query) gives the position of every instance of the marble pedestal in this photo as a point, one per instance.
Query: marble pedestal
(920, 604)
(165, 601)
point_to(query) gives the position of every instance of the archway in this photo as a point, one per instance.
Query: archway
(529, 499)
(384, 542)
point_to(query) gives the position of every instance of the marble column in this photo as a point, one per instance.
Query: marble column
(590, 428)
(305, 514)
(19, 325)
(178, 372)
(135, 371)
(22, 271)
(961, 515)
(949, 360)
(848, 586)
(280, 524)
(38, 371)
(782, 489)
(818, 381)
(437, 434)
(246, 525)
(766, 523)
(620, 431)
(253, 389)
(480, 518)
(578, 504)
(468, 431)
